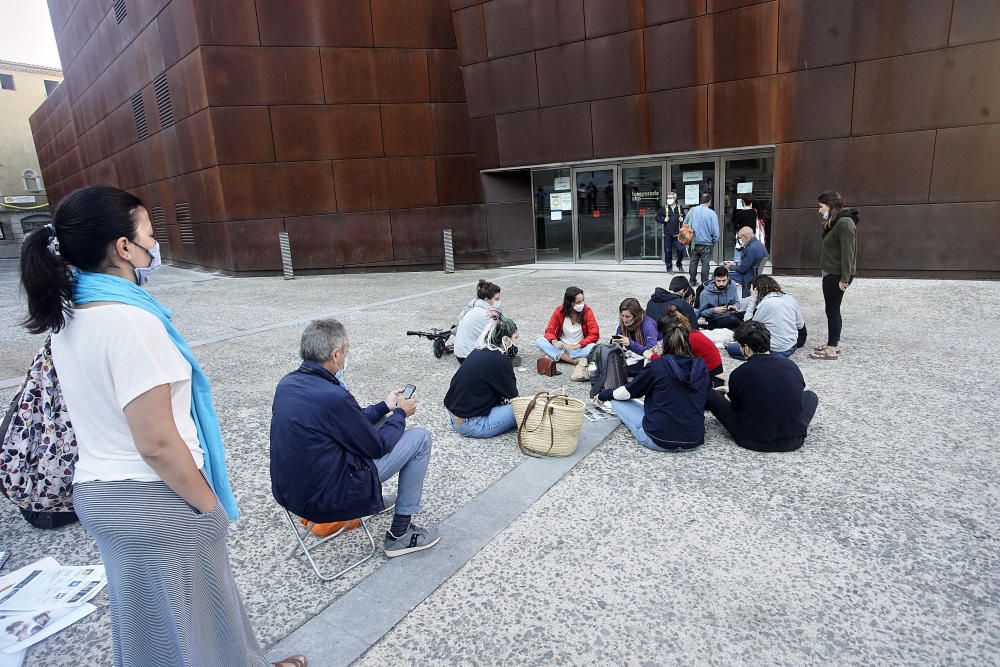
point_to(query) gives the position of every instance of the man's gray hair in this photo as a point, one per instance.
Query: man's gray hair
(320, 339)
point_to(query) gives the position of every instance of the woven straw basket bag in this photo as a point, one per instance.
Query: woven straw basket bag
(548, 424)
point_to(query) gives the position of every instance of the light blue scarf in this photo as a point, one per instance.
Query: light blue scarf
(89, 287)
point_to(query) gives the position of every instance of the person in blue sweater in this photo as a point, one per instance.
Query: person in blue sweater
(705, 224)
(719, 301)
(636, 330)
(329, 456)
(751, 260)
(675, 386)
(769, 407)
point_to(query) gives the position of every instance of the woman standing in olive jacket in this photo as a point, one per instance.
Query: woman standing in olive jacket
(838, 262)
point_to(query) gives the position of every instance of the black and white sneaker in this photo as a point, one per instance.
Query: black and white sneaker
(414, 539)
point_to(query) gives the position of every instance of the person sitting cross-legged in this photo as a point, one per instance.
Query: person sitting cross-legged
(779, 312)
(329, 456)
(719, 301)
(672, 416)
(478, 399)
(769, 407)
(572, 330)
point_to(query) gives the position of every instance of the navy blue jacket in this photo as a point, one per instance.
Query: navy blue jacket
(675, 389)
(323, 447)
(744, 272)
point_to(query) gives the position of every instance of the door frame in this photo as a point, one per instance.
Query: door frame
(616, 197)
(721, 187)
(664, 172)
(717, 189)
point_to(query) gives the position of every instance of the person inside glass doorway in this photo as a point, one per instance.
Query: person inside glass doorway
(670, 216)
(705, 223)
(572, 330)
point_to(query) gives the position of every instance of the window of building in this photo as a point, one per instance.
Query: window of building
(32, 181)
(7, 81)
(50, 86)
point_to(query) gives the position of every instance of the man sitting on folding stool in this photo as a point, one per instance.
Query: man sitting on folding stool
(329, 456)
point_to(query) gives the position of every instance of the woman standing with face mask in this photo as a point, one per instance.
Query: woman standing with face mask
(150, 484)
(838, 262)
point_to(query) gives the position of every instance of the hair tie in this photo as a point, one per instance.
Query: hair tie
(53, 241)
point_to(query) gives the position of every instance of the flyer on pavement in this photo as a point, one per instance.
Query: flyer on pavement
(42, 586)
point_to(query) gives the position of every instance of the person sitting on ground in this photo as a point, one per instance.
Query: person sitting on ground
(480, 391)
(719, 301)
(572, 330)
(779, 312)
(636, 330)
(769, 407)
(701, 346)
(679, 294)
(751, 259)
(329, 457)
(674, 386)
(474, 318)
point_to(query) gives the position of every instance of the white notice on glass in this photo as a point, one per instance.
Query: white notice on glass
(691, 193)
(566, 201)
(557, 215)
(555, 202)
(692, 176)
(561, 183)
(744, 187)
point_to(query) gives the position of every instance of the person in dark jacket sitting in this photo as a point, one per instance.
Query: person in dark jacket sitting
(480, 391)
(769, 407)
(329, 456)
(751, 260)
(680, 295)
(672, 418)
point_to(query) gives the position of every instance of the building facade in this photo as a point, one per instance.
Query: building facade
(545, 130)
(24, 205)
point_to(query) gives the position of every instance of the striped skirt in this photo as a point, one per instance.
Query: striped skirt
(173, 598)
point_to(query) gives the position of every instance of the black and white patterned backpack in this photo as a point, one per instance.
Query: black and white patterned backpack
(39, 450)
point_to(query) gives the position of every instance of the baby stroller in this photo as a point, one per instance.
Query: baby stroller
(444, 342)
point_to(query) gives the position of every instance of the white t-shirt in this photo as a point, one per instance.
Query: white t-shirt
(105, 357)
(572, 333)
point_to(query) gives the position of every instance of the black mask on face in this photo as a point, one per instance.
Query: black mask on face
(512, 351)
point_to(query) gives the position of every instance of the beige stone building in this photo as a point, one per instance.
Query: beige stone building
(23, 204)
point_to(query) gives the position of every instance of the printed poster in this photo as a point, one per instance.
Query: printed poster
(743, 188)
(692, 194)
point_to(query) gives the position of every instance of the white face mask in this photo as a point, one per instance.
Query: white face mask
(499, 306)
(578, 307)
(826, 215)
(671, 201)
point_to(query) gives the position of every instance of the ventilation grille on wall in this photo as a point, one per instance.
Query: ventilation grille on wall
(164, 105)
(139, 111)
(183, 211)
(120, 10)
(159, 224)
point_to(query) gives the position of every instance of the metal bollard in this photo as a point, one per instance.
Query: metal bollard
(449, 252)
(286, 255)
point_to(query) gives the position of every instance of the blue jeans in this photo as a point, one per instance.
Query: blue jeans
(631, 414)
(551, 351)
(409, 458)
(500, 420)
(734, 351)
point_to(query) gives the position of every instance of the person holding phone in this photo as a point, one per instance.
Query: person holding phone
(330, 456)
(478, 400)
(719, 301)
(636, 331)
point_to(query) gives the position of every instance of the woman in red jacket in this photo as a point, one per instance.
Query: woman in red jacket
(701, 346)
(572, 330)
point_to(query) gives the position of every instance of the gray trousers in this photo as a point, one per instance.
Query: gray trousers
(701, 253)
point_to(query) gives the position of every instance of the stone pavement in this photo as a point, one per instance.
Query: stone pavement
(875, 543)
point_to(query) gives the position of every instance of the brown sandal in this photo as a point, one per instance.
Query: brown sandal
(825, 354)
(292, 661)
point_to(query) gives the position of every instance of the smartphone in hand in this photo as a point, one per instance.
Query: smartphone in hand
(408, 391)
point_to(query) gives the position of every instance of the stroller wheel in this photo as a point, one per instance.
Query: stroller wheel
(438, 348)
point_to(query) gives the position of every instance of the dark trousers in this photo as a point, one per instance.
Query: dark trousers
(672, 246)
(833, 296)
(725, 321)
(700, 254)
(720, 406)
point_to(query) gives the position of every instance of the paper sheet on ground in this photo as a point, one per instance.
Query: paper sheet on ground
(20, 630)
(12, 659)
(46, 584)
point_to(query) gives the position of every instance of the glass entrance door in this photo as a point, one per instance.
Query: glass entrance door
(596, 207)
(642, 195)
(749, 191)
